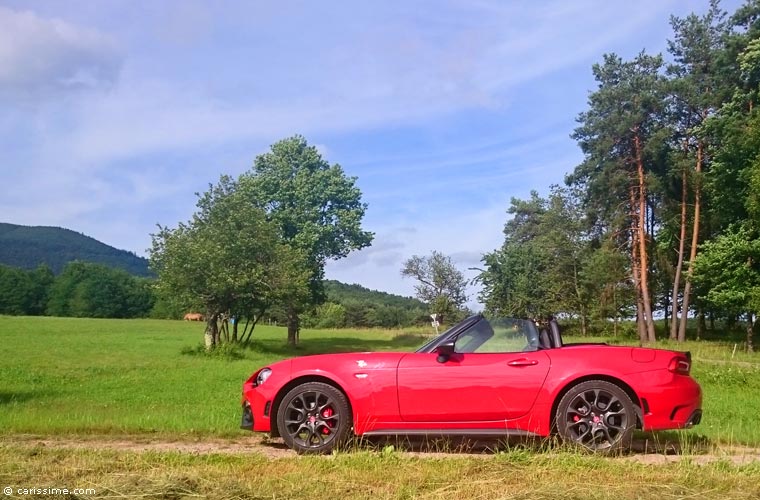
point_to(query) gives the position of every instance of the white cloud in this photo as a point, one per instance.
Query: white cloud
(41, 56)
(364, 75)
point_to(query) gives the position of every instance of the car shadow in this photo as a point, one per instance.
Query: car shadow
(669, 443)
(454, 444)
(657, 443)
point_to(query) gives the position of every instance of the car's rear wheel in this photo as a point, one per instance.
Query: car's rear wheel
(314, 417)
(596, 415)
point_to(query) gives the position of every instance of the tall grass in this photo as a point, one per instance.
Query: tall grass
(377, 475)
(96, 376)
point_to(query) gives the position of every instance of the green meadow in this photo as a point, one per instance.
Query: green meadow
(142, 380)
(106, 376)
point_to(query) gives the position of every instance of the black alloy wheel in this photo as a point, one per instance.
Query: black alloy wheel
(314, 418)
(598, 416)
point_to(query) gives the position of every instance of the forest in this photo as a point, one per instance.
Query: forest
(661, 219)
(27, 247)
(91, 290)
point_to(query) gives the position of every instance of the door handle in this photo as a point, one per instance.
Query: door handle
(523, 362)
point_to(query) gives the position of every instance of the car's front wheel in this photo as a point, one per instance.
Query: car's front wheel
(314, 417)
(597, 415)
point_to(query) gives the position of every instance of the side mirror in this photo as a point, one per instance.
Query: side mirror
(444, 351)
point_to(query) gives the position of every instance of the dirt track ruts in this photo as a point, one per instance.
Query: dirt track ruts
(643, 451)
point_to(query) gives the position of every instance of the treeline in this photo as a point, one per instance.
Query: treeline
(96, 291)
(83, 289)
(355, 306)
(662, 218)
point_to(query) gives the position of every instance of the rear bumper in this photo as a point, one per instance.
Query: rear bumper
(694, 419)
(673, 405)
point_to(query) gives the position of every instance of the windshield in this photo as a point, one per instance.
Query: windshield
(478, 334)
(431, 344)
(498, 335)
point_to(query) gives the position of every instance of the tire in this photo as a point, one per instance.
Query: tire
(314, 418)
(598, 416)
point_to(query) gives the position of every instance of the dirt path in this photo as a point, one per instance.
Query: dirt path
(643, 451)
(255, 444)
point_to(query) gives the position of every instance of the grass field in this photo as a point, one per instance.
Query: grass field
(114, 378)
(510, 475)
(92, 376)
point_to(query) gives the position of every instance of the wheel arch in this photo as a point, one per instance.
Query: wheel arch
(274, 431)
(606, 378)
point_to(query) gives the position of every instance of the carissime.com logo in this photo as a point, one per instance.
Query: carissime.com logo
(52, 490)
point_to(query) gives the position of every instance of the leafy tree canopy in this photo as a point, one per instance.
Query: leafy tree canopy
(439, 284)
(315, 206)
(228, 259)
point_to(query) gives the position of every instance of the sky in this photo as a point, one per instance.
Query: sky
(114, 113)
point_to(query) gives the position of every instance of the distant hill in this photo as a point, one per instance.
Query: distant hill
(342, 293)
(29, 246)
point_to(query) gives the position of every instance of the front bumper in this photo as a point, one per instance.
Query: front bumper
(246, 421)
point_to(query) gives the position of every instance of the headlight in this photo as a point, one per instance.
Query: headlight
(262, 376)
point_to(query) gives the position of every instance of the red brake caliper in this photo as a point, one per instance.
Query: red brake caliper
(327, 413)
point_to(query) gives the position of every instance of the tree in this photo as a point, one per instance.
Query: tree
(607, 275)
(42, 279)
(88, 290)
(315, 207)
(229, 260)
(696, 87)
(727, 272)
(540, 269)
(440, 284)
(622, 137)
(15, 291)
(24, 292)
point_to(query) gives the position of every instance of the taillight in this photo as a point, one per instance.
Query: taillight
(680, 364)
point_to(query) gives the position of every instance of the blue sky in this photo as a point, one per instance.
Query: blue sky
(114, 113)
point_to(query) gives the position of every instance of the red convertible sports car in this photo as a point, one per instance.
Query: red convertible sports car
(482, 377)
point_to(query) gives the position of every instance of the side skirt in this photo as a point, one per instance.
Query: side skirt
(496, 433)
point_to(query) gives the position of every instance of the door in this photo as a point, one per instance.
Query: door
(469, 387)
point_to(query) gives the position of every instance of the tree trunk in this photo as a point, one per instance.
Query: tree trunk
(293, 326)
(616, 320)
(679, 265)
(642, 228)
(579, 298)
(750, 328)
(636, 272)
(640, 322)
(694, 243)
(211, 334)
(584, 327)
(701, 324)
